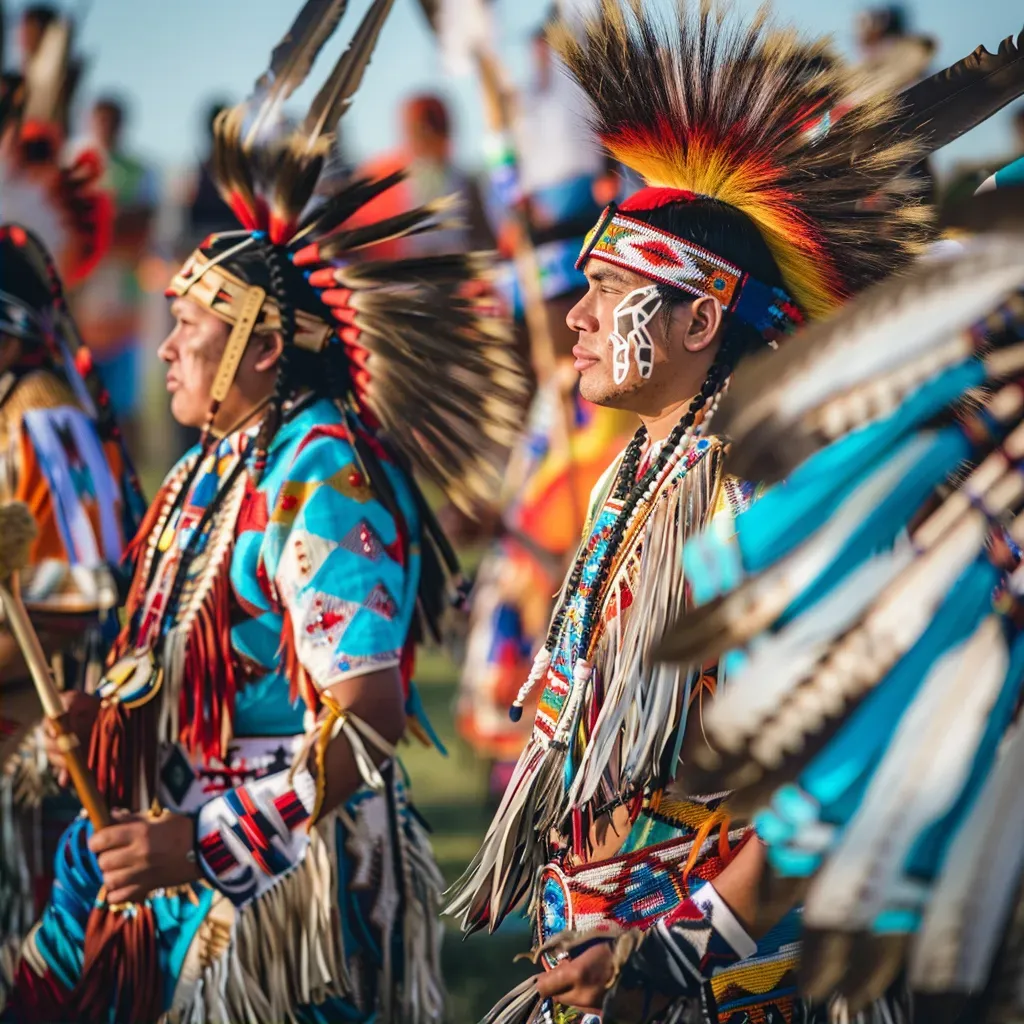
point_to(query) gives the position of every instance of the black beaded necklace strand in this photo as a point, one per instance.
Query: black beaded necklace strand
(630, 491)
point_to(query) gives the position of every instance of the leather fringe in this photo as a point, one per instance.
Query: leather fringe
(123, 740)
(121, 977)
(287, 949)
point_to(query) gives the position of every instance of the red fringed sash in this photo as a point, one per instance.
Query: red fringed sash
(123, 752)
(208, 683)
(300, 683)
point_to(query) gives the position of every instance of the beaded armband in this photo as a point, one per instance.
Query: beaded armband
(250, 836)
(685, 948)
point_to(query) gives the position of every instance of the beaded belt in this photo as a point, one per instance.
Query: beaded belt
(632, 891)
(186, 783)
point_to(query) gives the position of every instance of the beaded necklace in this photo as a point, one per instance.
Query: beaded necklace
(637, 496)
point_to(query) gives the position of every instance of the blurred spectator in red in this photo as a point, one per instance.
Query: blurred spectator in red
(426, 155)
(109, 305)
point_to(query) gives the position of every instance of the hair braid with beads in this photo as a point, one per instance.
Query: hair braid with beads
(284, 385)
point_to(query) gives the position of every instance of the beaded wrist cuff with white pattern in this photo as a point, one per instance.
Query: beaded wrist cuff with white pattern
(685, 948)
(249, 837)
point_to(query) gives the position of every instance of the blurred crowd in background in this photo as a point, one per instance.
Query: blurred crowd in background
(537, 186)
(163, 214)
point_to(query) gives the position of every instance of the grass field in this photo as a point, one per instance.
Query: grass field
(451, 793)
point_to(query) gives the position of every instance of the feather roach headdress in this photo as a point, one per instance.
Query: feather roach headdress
(757, 118)
(403, 344)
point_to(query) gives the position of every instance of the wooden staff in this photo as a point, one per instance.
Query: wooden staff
(499, 111)
(17, 532)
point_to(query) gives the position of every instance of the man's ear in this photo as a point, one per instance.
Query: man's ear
(705, 321)
(268, 349)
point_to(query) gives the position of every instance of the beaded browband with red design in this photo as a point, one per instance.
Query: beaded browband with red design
(659, 255)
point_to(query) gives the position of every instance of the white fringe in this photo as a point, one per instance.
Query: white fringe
(286, 949)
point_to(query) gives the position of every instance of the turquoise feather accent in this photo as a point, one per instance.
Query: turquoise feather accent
(793, 510)
(785, 515)
(855, 751)
(897, 921)
(414, 709)
(835, 781)
(929, 852)
(883, 524)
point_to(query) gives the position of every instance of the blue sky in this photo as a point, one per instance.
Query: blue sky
(170, 56)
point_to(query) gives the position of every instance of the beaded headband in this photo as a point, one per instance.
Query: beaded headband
(668, 259)
(204, 280)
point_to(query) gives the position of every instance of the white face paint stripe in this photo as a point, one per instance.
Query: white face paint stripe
(632, 315)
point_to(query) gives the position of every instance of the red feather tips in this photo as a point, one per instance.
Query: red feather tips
(241, 209)
(307, 256)
(656, 198)
(350, 339)
(345, 315)
(337, 297)
(280, 230)
(326, 277)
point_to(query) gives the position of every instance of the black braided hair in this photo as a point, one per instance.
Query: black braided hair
(284, 386)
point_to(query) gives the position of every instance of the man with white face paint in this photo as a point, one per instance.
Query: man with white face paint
(752, 219)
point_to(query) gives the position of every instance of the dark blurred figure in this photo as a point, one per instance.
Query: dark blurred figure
(893, 57)
(33, 27)
(35, 20)
(562, 184)
(563, 180)
(206, 212)
(109, 305)
(426, 154)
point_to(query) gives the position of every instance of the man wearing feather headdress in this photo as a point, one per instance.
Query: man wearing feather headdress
(753, 220)
(283, 579)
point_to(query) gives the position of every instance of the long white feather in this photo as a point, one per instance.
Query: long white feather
(974, 892)
(861, 659)
(922, 773)
(888, 326)
(778, 662)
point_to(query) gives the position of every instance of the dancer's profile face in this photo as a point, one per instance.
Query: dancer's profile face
(634, 351)
(192, 353)
(594, 320)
